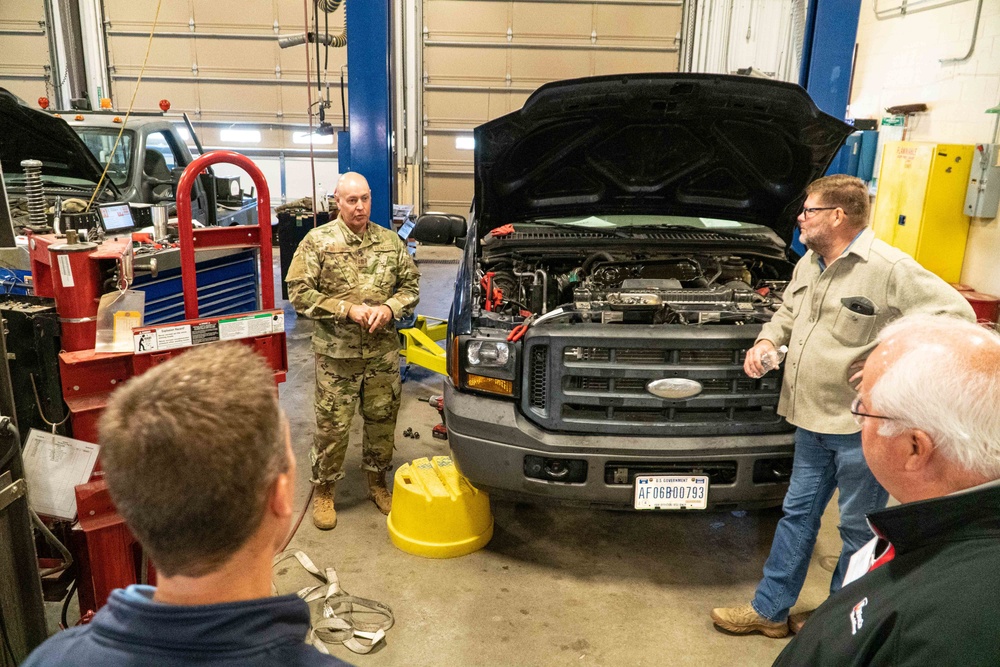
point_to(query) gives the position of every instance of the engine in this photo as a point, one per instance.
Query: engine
(634, 288)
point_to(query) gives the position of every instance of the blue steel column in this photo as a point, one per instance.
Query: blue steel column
(369, 100)
(828, 56)
(827, 59)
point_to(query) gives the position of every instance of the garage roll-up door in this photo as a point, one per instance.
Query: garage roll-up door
(24, 70)
(220, 62)
(482, 58)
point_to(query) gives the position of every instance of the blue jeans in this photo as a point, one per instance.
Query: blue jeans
(822, 463)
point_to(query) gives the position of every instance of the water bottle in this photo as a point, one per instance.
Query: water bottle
(773, 358)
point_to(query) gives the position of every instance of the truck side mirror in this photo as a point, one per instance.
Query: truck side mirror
(440, 229)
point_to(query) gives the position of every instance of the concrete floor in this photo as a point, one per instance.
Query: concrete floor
(555, 586)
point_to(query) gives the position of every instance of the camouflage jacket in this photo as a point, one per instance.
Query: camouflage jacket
(333, 269)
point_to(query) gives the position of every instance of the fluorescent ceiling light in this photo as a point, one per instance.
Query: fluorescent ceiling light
(240, 136)
(183, 132)
(465, 143)
(303, 138)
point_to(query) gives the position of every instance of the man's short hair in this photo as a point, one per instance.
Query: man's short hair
(190, 450)
(848, 193)
(949, 392)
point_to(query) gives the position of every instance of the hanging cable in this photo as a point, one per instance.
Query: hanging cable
(312, 157)
(149, 45)
(298, 522)
(38, 404)
(65, 606)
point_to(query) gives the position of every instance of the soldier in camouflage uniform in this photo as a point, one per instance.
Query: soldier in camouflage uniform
(354, 278)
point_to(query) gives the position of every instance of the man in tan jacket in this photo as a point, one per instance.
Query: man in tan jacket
(843, 291)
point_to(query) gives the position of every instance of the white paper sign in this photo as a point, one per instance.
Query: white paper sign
(53, 466)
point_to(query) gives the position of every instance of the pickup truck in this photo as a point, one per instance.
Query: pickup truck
(628, 239)
(74, 147)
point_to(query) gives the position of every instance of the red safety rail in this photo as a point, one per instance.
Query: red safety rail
(223, 237)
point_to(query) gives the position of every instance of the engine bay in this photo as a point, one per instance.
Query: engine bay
(630, 286)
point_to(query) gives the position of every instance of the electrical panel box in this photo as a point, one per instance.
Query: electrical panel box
(982, 199)
(919, 207)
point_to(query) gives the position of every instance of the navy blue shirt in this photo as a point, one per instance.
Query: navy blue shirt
(133, 630)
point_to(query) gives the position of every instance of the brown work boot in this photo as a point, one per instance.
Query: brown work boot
(324, 513)
(744, 619)
(377, 491)
(796, 621)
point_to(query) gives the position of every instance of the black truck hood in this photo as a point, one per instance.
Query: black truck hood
(27, 133)
(698, 145)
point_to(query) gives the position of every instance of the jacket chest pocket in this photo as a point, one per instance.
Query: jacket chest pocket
(379, 269)
(853, 329)
(796, 298)
(339, 271)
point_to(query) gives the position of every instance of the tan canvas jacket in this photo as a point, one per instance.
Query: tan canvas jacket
(824, 336)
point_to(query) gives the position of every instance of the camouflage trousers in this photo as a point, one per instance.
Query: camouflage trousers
(339, 385)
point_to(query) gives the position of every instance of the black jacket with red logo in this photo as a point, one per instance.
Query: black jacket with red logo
(937, 602)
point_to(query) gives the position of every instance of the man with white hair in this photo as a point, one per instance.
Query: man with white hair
(925, 591)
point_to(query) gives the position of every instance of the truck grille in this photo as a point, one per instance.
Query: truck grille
(538, 377)
(593, 380)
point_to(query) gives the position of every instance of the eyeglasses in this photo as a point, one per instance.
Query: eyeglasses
(811, 211)
(859, 417)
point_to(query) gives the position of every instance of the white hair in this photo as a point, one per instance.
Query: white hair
(947, 385)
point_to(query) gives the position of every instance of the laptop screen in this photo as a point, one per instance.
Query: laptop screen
(116, 218)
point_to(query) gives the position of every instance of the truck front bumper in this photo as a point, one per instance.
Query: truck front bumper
(490, 441)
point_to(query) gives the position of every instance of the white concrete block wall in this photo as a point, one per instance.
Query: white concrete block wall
(898, 63)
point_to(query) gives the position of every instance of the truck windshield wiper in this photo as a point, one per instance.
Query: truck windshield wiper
(624, 230)
(603, 231)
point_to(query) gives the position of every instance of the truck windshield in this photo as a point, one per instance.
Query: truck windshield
(100, 141)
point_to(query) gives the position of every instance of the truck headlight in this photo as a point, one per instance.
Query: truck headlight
(489, 366)
(487, 353)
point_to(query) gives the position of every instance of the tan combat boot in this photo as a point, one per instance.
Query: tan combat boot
(377, 491)
(324, 513)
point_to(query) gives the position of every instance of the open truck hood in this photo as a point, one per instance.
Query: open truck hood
(698, 145)
(27, 133)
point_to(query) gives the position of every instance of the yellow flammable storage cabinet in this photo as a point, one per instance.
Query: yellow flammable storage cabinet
(920, 202)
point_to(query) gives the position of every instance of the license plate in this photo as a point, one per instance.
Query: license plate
(671, 492)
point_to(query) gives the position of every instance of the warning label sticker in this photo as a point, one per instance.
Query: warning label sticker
(170, 338)
(204, 332)
(247, 326)
(144, 340)
(152, 339)
(66, 271)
